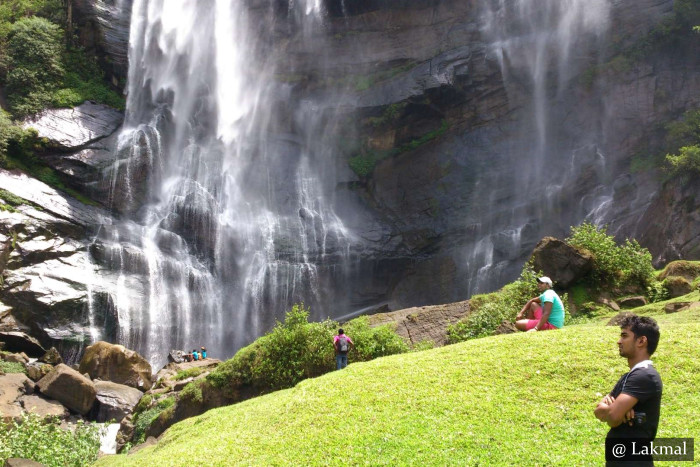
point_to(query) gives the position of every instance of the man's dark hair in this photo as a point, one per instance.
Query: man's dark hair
(643, 326)
(340, 331)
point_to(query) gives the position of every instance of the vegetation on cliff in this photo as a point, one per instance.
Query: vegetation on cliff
(519, 399)
(684, 145)
(41, 66)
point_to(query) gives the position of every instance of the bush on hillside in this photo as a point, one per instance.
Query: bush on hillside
(35, 68)
(488, 311)
(44, 441)
(148, 412)
(614, 265)
(297, 349)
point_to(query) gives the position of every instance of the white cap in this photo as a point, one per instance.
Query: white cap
(545, 280)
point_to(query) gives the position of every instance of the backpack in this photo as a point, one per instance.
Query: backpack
(343, 344)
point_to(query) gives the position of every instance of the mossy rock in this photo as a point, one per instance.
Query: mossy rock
(677, 286)
(689, 270)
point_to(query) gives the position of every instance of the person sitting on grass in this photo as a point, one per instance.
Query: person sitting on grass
(544, 312)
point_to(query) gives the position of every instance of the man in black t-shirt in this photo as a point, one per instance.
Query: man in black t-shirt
(633, 406)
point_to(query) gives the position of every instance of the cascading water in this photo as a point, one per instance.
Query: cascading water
(540, 46)
(227, 174)
(227, 214)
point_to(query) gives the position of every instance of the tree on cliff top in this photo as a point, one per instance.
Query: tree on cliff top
(34, 64)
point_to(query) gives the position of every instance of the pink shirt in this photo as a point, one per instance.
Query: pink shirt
(335, 339)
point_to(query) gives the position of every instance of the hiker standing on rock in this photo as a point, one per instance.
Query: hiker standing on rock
(342, 345)
(632, 408)
(544, 312)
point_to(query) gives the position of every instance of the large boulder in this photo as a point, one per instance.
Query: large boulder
(563, 263)
(118, 364)
(42, 407)
(677, 286)
(633, 302)
(12, 387)
(37, 370)
(426, 323)
(689, 270)
(114, 401)
(69, 387)
(21, 342)
(52, 357)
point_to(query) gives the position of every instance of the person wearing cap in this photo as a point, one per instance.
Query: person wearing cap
(203, 353)
(544, 312)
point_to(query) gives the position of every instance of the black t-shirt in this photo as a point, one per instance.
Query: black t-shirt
(645, 385)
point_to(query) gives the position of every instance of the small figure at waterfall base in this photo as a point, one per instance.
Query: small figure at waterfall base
(342, 345)
(544, 312)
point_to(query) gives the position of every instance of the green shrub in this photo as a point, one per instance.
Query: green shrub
(144, 403)
(657, 292)
(15, 141)
(423, 345)
(371, 343)
(188, 373)
(12, 367)
(488, 311)
(192, 392)
(297, 349)
(143, 420)
(614, 265)
(686, 162)
(46, 442)
(35, 68)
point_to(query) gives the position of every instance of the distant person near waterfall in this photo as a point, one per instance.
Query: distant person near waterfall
(544, 312)
(342, 345)
(203, 352)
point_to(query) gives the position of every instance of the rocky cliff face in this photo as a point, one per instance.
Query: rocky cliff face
(464, 156)
(470, 160)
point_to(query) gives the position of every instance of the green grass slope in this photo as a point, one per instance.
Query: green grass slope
(521, 399)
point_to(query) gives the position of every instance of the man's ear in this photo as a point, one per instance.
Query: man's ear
(642, 341)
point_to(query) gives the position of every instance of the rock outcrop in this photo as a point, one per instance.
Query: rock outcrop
(12, 387)
(46, 270)
(427, 323)
(68, 387)
(560, 261)
(22, 342)
(118, 364)
(70, 129)
(114, 401)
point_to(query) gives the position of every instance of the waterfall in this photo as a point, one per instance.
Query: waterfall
(541, 47)
(227, 208)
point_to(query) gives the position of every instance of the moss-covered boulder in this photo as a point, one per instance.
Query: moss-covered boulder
(677, 286)
(118, 364)
(68, 387)
(689, 270)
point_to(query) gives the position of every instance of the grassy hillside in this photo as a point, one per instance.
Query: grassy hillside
(522, 399)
